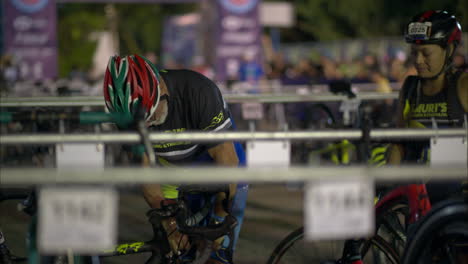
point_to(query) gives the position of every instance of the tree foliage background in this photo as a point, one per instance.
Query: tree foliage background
(140, 26)
(337, 19)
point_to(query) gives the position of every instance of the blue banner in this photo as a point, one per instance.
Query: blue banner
(179, 43)
(237, 37)
(128, 1)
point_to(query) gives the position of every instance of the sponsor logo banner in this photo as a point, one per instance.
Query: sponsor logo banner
(237, 36)
(30, 37)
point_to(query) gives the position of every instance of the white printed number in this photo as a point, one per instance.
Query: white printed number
(85, 211)
(418, 28)
(80, 219)
(339, 209)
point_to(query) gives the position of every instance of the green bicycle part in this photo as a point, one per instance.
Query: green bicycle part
(5, 117)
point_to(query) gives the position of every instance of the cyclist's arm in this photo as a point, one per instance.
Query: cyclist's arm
(152, 192)
(224, 155)
(396, 151)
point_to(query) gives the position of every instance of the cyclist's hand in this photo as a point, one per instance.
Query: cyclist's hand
(378, 156)
(179, 243)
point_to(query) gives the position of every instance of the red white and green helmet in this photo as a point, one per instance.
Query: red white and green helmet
(131, 86)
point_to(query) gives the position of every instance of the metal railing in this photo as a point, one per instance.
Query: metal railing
(80, 101)
(323, 135)
(35, 176)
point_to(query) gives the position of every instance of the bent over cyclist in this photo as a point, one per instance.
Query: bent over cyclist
(438, 94)
(176, 101)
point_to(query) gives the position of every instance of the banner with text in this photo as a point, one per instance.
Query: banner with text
(237, 36)
(179, 41)
(30, 37)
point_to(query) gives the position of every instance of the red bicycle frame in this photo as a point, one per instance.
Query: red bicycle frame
(416, 195)
(417, 198)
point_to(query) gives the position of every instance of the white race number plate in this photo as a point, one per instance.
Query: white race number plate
(80, 219)
(339, 209)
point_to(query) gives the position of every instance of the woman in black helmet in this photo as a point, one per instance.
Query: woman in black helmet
(439, 93)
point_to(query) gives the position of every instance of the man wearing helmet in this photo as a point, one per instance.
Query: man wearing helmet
(438, 93)
(176, 101)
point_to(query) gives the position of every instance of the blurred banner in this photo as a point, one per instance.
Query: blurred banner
(180, 40)
(29, 29)
(237, 37)
(127, 1)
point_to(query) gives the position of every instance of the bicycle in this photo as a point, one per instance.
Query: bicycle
(394, 211)
(201, 237)
(442, 234)
(397, 211)
(6, 256)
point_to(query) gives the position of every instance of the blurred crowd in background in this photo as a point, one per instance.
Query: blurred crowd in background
(304, 71)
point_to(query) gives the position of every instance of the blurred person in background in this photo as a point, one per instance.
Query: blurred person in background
(251, 72)
(9, 71)
(382, 112)
(459, 62)
(371, 62)
(382, 82)
(330, 69)
(438, 93)
(278, 66)
(200, 66)
(397, 70)
(303, 73)
(77, 74)
(177, 101)
(361, 74)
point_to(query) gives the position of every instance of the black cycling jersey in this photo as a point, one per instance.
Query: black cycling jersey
(195, 103)
(420, 111)
(445, 107)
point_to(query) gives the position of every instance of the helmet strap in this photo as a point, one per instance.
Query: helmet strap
(148, 118)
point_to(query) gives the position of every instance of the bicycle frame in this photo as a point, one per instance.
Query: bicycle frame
(418, 203)
(415, 194)
(130, 248)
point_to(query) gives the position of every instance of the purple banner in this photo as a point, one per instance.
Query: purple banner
(238, 37)
(30, 37)
(179, 41)
(128, 1)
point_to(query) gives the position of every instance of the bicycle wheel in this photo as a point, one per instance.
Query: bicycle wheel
(447, 245)
(294, 249)
(388, 243)
(385, 247)
(442, 237)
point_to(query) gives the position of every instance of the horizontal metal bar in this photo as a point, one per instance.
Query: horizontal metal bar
(230, 98)
(34, 176)
(419, 133)
(322, 135)
(295, 98)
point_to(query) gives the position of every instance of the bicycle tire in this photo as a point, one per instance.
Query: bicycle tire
(378, 241)
(390, 238)
(436, 248)
(280, 251)
(441, 225)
